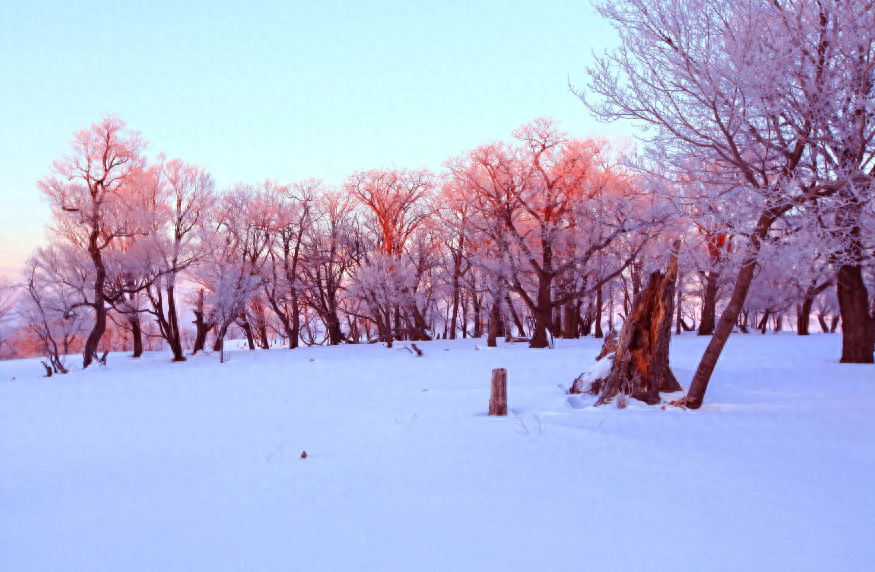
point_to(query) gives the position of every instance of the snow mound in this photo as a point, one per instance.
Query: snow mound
(601, 369)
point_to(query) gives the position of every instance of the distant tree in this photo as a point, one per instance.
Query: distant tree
(182, 198)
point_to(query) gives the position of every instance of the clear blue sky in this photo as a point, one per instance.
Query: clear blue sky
(281, 90)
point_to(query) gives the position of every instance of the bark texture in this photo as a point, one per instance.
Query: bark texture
(641, 368)
(858, 336)
(498, 395)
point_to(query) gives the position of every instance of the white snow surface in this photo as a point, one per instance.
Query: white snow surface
(146, 465)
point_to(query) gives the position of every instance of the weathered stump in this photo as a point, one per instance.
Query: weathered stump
(498, 396)
(640, 367)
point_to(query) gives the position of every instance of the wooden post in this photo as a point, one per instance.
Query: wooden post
(498, 397)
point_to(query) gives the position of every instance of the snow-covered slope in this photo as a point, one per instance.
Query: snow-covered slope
(147, 465)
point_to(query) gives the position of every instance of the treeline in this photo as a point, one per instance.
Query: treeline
(757, 159)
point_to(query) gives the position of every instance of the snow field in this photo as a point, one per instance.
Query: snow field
(147, 465)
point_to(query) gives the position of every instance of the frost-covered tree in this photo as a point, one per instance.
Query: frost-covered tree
(748, 91)
(559, 205)
(94, 194)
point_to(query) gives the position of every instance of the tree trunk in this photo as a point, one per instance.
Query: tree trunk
(201, 327)
(764, 322)
(679, 305)
(803, 316)
(823, 325)
(521, 331)
(457, 271)
(420, 327)
(699, 385)
(498, 393)
(295, 331)
(464, 315)
(858, 336)
(641, 367)
(247, 329)
(542, 313)
(598, 314)
(90, 349)
(174, 339)
(137, 335)
(709, 304)
(478, 320)
(494, 325)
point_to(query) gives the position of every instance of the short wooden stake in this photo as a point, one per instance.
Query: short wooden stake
(498, 397)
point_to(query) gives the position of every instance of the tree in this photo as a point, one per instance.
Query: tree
(50, 308)
(559, 207)
(9, 293)
(183, 195)
(743, 89)
(396, 204)
(232, 271)
(92, 192)
(292, 220)
(331, 245)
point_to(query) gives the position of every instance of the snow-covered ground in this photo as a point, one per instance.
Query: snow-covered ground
(147, 465)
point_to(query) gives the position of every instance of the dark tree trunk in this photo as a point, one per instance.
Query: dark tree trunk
(586, 320)
(709, 303)
(542, 312)
(679, 305)
(90, 349)
(201, 327)
(598, 314)
(295, 331)
(823, 325)
(764, 322)
(858, 336)
(521, 331)
(779, 322)
(457, 272)
(494, 325)
(464, 315)
(641, 366)
(137, 335)
(247, 329)
(571, 323)
(834, 322)
(478, 319)
(420, 327)
(803, 316)
(174, 339)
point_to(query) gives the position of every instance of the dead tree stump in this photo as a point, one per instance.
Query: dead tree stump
(498, 396)
(640, 367)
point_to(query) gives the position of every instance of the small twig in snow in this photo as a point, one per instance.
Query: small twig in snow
(522, 429)
(277, 453)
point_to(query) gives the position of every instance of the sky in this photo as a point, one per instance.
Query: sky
(282, 90)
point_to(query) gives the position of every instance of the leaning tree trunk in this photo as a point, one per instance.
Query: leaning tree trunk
(521, 331)
(824, 327)
(641, 368)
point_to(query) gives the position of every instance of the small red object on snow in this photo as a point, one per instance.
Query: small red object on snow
(304, 455)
